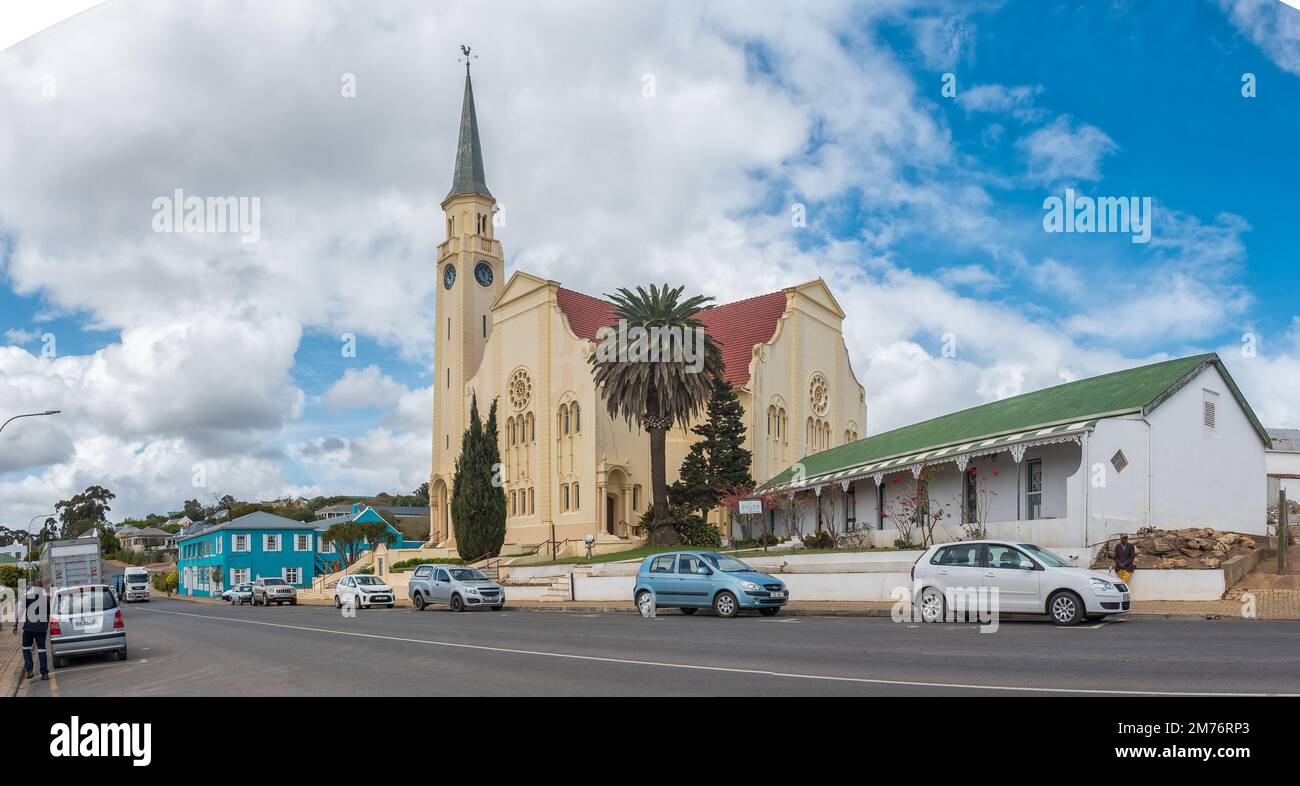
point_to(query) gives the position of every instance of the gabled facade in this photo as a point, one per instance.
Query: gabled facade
(1170, 445)
(571, 470)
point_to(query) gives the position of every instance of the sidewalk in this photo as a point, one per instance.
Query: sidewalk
(11, 662)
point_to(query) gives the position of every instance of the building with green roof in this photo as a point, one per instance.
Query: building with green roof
(1170, 444)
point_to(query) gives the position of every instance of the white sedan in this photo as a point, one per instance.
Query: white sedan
(1018, 578)
(361, 590)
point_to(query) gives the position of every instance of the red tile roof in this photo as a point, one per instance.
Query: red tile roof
(736, 327)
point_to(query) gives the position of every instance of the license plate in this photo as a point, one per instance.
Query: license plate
(778, 594)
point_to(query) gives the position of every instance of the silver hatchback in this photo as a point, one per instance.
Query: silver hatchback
(457, 586)
(85, 620)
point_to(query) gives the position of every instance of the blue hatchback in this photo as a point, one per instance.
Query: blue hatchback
(691, 580)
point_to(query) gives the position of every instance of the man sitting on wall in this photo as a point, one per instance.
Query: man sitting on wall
(1125, 554)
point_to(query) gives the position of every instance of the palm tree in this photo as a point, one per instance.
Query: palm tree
(658, 378)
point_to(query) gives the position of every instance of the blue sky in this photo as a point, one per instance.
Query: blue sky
(924, 211)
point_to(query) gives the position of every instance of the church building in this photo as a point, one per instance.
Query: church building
(571, 470)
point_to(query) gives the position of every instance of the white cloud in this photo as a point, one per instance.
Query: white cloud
(1273, 26)
(1065, 151)
(1017, 102)
(363, 389)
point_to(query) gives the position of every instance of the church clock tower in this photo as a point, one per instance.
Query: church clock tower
(471, 274)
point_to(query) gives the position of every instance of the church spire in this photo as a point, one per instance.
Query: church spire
(468, 177)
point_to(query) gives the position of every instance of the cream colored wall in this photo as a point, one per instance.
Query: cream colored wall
(809, 339)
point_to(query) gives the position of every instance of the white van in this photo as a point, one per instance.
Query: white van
(136, 585)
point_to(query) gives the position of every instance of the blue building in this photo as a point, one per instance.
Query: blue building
(259, 545)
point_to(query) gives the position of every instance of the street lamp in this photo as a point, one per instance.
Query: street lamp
(29, 415)
(29, 531)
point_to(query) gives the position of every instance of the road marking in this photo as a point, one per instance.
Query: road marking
(117, 665)
(718, 669)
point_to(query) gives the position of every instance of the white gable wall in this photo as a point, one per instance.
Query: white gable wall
(1206, 479)
(1117, 501)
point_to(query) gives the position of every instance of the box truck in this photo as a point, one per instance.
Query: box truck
(137, 585)
(71, 563)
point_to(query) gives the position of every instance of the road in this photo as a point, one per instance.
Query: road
(187, 649)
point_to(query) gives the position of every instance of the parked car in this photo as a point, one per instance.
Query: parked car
(362, 590)
(1028, 580)
(273, 590)
(85, 620)
(692, 580)
(239, 594)
(457, 586)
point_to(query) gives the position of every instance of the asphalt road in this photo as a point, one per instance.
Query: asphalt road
(186, 649)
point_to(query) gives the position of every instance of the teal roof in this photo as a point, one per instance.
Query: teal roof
(1136, 390)
(469, 177)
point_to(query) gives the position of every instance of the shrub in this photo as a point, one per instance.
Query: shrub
(819, 540)
(696, 532)
(9, 576)
(768, 539)
(367, 571)
(693, 530)
(855, 539)
(411, 564)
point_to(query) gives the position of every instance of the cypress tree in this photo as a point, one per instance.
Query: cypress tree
(478, 505)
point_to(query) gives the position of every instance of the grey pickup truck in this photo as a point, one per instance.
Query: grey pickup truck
(457, 586)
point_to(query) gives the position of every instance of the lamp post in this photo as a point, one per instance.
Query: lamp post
(29, 531)
(29, 415)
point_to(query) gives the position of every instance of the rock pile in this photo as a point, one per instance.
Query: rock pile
(1193, 548)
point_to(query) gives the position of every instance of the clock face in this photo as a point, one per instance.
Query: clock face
(449, 276)
(483, 274)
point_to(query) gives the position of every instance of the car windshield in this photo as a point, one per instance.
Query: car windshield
(84, 600)
(467, 574)
(1052, 560)
(727, 564)
(368, 580)
(273, 582)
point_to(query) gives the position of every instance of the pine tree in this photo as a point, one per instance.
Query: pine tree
(478, 506)
(718, 461)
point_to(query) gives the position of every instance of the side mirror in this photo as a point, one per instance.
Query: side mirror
(704, 570)
(1026, 565)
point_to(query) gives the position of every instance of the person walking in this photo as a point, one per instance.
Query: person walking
(1125, 554)
(35, 619)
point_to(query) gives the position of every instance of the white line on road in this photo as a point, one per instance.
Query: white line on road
(719, 669)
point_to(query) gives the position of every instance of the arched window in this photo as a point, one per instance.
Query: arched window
(576, 503)
(531, 509)
(564, 494)
(577, 417)
(564, 413)
(531, 425)
(513, 504)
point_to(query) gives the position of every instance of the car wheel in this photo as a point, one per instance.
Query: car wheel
(497, 608)
(726, 605)
(418, 601)
(1066, 608)
(689, 611)
(932, 605)
(293, 602)
(338, 604)
(389, 605)
(457, 604)
(121, 654)
(770, 612)
(58, 661)
(645, 602)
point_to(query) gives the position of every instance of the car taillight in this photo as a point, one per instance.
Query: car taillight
(54, 628)
(117, 620)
